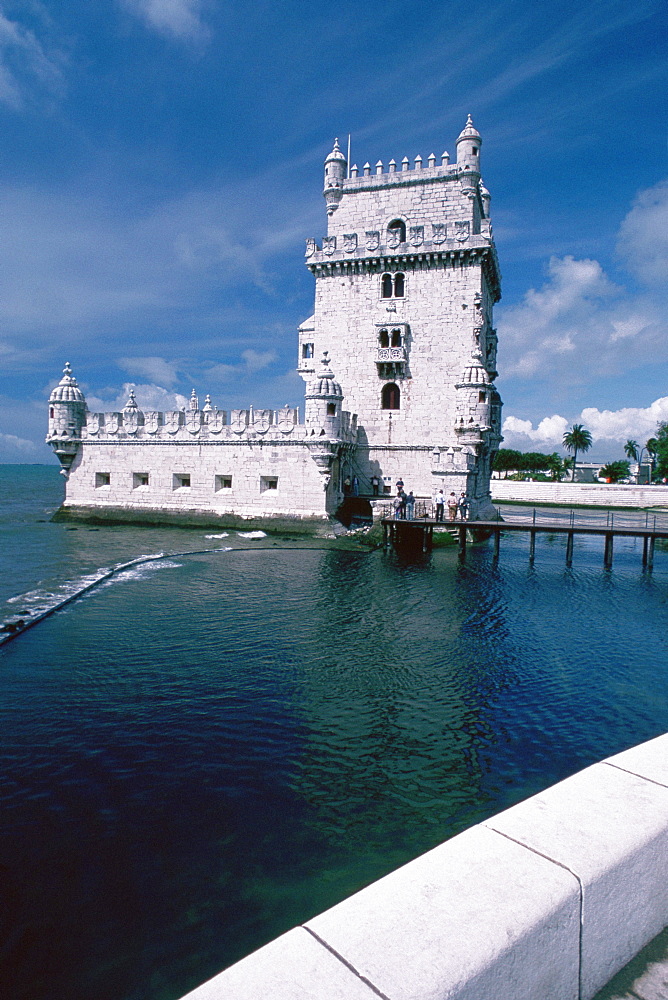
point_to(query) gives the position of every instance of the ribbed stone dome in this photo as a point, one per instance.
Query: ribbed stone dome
(67, 390)
(323, 384)
(474, 374)
(469, 131)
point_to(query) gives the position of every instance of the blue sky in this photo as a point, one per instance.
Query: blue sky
(161, 167)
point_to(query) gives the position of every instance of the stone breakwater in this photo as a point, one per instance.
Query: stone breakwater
(548, 899)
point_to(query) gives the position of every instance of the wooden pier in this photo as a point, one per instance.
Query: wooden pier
(418, 534)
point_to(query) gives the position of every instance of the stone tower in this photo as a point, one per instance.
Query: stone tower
(406, 279)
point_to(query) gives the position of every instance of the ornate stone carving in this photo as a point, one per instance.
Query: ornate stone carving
(112, 422)
(372, 239)
(416, 235)
(239, 421)
(329, 245)
(462, 231)
(350, 242)
(93, 423)
(216, 422)
(172, 421)
(311, 248)
(193, 421)
(393, 238)
(262, 421)
(286, 419)
(438, 232)
(152, 422)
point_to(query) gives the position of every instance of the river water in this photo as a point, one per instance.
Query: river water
(207, 749)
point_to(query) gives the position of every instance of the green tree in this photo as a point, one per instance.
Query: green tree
(507, 460)
(577, 439)
(631, 450)
(614, 471)
(660, 451)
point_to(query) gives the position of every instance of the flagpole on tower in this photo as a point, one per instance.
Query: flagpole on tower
(348, 174)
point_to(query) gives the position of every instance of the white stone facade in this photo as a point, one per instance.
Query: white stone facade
(406, 279)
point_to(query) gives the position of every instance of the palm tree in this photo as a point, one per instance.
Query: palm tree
(631, 450)
(575, 440)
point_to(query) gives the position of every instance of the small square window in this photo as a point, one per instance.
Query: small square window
(223, 483)
(307, 350)
(268, 483)
(181, 481)
(139, 480)
(102, 479)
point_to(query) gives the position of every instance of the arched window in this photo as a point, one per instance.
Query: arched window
(331, 409)
(390, 396)
(396, 338)
(397, 226)
(387, 286)
(384, 338)
(399, 286)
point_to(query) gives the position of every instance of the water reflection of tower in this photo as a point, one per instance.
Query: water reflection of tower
(389, 699)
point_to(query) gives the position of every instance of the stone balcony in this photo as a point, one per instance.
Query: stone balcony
(390, 355)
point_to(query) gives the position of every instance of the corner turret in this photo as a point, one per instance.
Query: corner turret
(67, 415)
(468, 157)
(323, 399)
(336, 167)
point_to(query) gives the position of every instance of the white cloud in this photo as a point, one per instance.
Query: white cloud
(156, 369)
(579, 324)
(252, 362)
(11, 443)
(614, 426)
(522, 434)
(635, 422)
(149, 397)
(29, 67)
(643, 236)
(179, 19)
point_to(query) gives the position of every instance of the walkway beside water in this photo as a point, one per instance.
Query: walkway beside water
(645, 977)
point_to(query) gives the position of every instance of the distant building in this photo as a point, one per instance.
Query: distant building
(402, 334)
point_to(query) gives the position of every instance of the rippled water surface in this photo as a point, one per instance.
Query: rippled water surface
(208, 749)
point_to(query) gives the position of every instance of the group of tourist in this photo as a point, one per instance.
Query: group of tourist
(404, 503)
(456, 505)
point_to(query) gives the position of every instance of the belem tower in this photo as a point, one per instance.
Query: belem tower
(399, 361)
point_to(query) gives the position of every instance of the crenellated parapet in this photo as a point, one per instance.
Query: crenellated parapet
(205, 425)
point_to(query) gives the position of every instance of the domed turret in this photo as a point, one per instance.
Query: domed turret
(468, 158)
(67, 415)
(336, 167)
(468, 145)
(67, 390)
(474, 396)
(323, 399)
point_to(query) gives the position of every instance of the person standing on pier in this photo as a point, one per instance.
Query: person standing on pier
(452, 507)
(463, 506)
(438, 500)
(410, 507)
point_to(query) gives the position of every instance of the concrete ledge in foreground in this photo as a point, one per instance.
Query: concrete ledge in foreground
(545, 901)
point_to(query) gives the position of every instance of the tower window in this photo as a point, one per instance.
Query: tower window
(52, 412)
(390, 396)
(393, 285)
(396, 338)
(307, 350)
(482, 397)
(384, 338)
(397, 226)
(331, 409)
